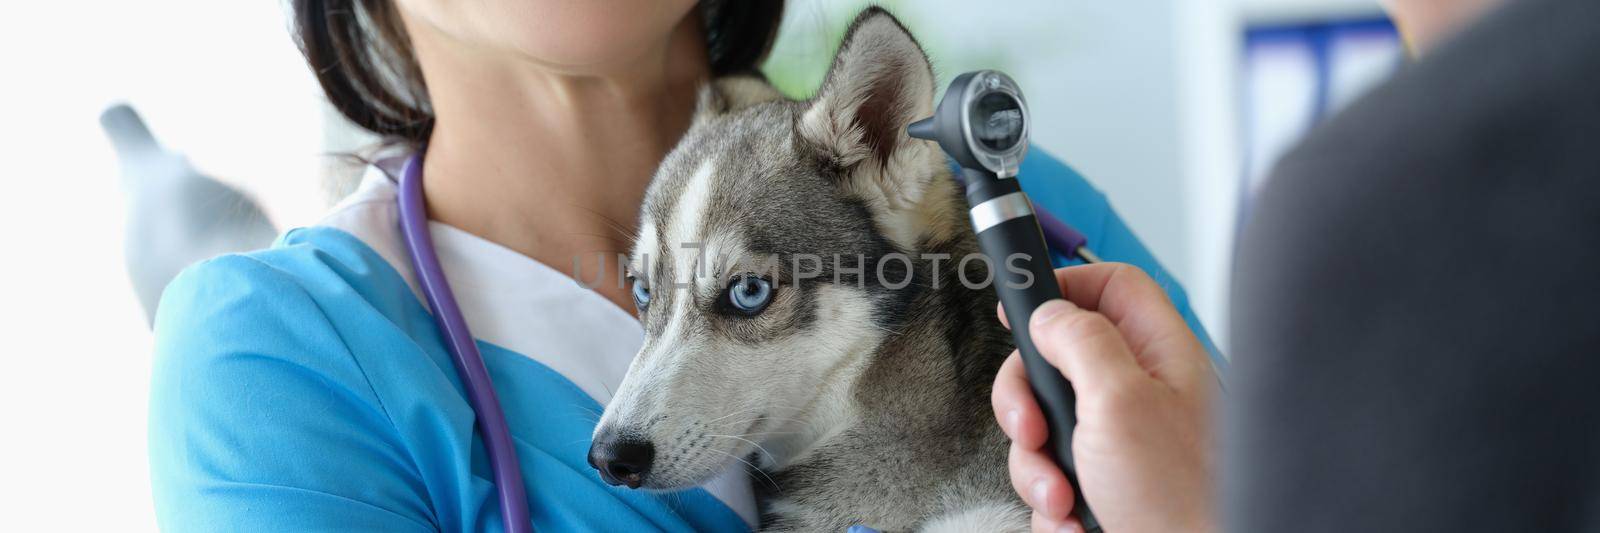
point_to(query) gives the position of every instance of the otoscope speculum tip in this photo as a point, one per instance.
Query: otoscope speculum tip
(923, 129)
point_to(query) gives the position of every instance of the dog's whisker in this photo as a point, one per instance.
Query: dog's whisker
(748, 423)
(892, 333)
(770, 433)
(693, 461)
(763, 450)
(586, 415)
(808, 425)
(726, 416)
(622, 230)
(752, 468)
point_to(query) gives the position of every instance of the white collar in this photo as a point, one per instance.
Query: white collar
(502, 292)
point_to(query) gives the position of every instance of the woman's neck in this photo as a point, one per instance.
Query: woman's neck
(548, 163)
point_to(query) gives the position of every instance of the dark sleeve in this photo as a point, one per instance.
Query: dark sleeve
(1415, 340)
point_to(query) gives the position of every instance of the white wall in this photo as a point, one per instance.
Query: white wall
(220, 80)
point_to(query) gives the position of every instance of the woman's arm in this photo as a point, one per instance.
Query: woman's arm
(260, 419)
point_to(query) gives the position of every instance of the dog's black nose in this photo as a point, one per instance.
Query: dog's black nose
(624, 461)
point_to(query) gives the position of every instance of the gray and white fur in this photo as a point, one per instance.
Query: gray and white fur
(851, 401)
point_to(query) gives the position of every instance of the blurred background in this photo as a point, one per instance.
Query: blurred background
(1174, 108)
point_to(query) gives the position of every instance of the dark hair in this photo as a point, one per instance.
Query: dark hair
(360, 53)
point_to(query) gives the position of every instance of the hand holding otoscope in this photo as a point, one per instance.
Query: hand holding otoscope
(982, 123)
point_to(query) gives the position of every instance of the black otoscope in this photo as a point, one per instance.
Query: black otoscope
(982, 123)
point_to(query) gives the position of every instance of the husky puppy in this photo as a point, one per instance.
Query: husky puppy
(799, 277)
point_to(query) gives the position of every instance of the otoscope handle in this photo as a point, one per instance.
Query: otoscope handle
(1009, 235)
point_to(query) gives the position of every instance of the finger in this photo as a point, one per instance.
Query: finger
(1014, 406)
(1085, 346)
(1150, 324)
(1000, 309)
(1039, 482)
(1044, 524)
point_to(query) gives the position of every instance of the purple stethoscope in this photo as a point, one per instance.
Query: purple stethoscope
(463, 348)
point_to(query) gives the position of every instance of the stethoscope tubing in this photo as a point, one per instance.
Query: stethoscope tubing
(463, 350)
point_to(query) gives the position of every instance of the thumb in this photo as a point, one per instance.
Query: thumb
(1084, 345)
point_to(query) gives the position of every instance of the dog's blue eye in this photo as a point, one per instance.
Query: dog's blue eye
(749, 294)
(641, 295)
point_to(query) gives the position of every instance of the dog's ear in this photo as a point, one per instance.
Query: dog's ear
(880, 82)
(732, 93)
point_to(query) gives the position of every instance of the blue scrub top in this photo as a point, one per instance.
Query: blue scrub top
(305, 387)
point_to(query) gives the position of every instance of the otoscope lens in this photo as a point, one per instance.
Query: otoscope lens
(997, 121)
